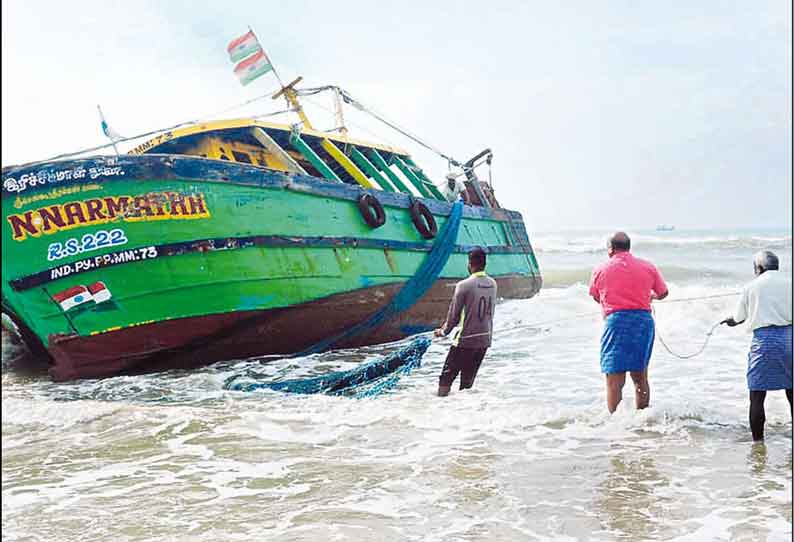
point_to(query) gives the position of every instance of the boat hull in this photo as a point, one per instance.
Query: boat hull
(194, 342)
(219, 261)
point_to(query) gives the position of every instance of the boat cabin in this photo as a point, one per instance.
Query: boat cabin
(334, 157)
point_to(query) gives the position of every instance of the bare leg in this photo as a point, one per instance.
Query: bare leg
(642, 391)
(615, 382)
(757, 414)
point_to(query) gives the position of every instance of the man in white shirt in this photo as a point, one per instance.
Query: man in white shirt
(765, 304)
(454, 189)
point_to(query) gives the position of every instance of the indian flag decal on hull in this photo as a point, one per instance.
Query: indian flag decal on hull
(99, 292)
(78, 295)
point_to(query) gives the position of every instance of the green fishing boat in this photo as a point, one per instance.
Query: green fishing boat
(239, 238)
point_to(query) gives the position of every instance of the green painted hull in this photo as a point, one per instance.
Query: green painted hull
(188, 238)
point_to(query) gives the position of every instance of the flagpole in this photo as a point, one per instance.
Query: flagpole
(112, 140)
(272, 66)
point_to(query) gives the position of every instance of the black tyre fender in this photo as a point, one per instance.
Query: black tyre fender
(371, 210)
(423, 219)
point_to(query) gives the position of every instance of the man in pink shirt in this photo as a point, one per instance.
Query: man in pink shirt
(624, 287)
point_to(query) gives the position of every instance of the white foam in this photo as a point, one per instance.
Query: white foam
(61, 414)
(530, 452)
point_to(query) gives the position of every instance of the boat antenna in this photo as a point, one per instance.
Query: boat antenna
(338, 112)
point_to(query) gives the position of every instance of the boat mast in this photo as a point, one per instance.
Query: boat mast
(292, 99)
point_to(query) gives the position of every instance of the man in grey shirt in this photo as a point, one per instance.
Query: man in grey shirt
(472, 306)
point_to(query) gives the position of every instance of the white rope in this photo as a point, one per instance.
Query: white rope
(698, 298)
(687, 356)
(358, 105)
(708, 334)
(661, 339)
(305, 92)
(378, 137)
(556, 321)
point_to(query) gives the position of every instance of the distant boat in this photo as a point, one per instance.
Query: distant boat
(665, 227)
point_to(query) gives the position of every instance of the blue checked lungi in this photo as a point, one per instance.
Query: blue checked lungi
(769, 361)
(627, 341)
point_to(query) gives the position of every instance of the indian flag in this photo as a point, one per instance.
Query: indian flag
(72, 297)
(251, 68)
(99, 292)
(243, 46)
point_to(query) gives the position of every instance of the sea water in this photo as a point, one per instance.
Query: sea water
(529, 454)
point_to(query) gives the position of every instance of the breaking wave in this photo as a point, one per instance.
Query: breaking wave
(590, 244)
(555, 278)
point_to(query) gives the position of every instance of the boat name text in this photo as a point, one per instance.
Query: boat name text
(94, 211)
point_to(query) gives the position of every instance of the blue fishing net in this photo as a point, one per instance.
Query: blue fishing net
(367, 380)
(413, 289)
(373, 378)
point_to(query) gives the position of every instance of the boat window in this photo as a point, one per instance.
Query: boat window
(241, 157)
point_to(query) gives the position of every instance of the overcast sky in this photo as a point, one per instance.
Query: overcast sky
(616, 114)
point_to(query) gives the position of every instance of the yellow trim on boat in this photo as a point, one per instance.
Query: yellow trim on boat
(243, 123)
(346, 163)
